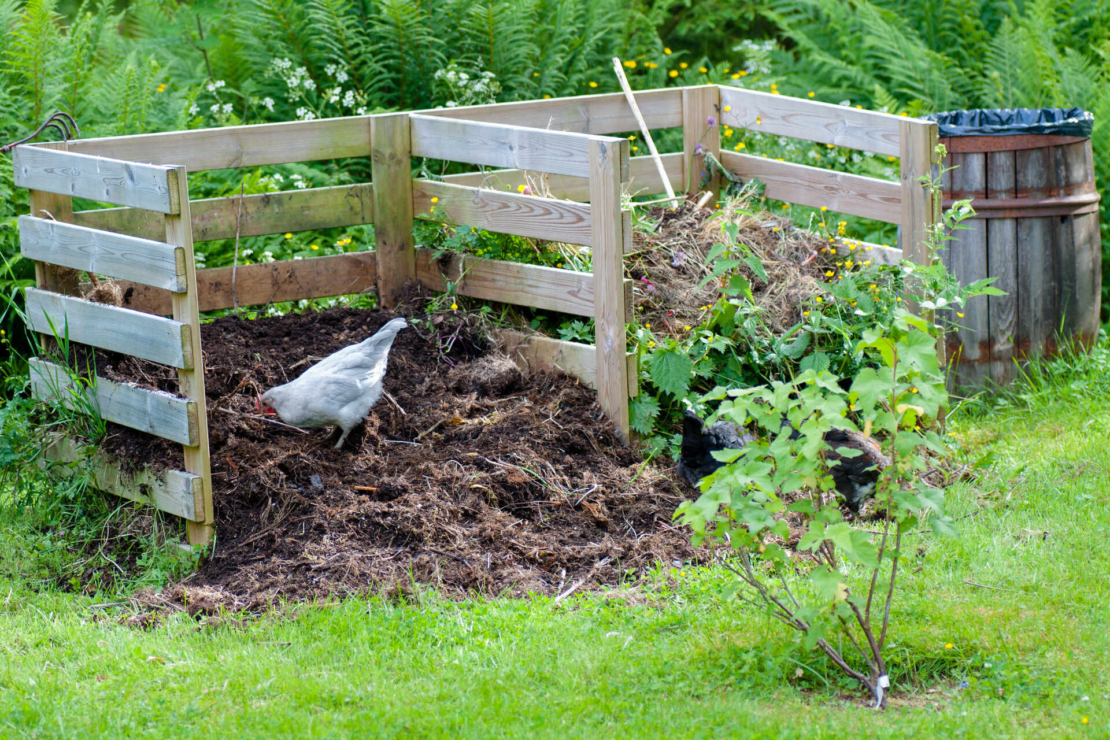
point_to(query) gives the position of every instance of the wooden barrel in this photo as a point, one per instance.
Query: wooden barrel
(1036, 229)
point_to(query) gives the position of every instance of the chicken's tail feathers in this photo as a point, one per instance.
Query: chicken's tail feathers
(387, 332)
(692, 427)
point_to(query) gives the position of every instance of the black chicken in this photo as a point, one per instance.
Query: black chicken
(854, 477)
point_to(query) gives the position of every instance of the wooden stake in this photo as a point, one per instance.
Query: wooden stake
(643, 128)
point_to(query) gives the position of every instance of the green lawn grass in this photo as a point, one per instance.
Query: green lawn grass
(1021, 598)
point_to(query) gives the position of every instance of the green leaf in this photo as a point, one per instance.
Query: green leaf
(795, 349)
(670, 372)
(643, 411)
(818, 361)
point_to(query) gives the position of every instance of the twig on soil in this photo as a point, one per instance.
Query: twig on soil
(573, 587)
(402, 442)
(983, 585)
(263, 418)
(393, 401)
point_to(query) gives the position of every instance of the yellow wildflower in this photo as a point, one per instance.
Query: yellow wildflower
(736, 76)
(520, 188)
(666, 50)
(743, 73)
(635, 148)
(162, 87)
(811, 94)
(727, 108)
(819, 299)
(703, 70)
(740, 146)
(631, 64)
(314, 246)
(685, 328)
(684, 65)
(959, 314)
(829, 273)
(759, 119)
(673, 73)
(454, 307)
(593, 84)
(824, 208)
(546, 96)
(805, 313)
(435, 200)
(651, 344)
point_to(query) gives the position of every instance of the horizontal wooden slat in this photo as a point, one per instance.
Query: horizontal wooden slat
(161, 414)
(96, 178)
(533, 352)
(812, 186)
(510, 213)
(546, 288)
(240, 146)
(808, 119)
(172, 491)
(644, 180)
(608, 113)
(142, 260)
(271, 282)
(267, 213)
(110, 327)
(495, 145)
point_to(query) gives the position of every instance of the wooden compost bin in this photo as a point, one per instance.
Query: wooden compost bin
(1036, 229)
(568, 142)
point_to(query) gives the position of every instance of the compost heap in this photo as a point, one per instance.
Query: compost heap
(471, 478)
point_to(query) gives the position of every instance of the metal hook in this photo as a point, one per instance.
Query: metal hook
(60, 121)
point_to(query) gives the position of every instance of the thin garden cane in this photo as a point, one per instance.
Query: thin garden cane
(646, 132)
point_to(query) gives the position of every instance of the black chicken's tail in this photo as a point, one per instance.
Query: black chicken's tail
(692, 443)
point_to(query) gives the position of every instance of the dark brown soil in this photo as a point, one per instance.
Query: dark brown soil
(474, 479)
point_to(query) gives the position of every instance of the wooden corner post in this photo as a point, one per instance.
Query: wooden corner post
(917, 140)
(391, 169)
(608, 168)
(186, 309)
(701, 106)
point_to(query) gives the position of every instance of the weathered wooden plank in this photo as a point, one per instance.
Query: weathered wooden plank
(59, 208)
(96, 178)
(969, 344)
(266, 213)
(190, 379)
(102, 253)
(1037, 295)
(917, 140)
(533, 353)
(392, 171)
(811, 186)
(161, 414)
(110, 327)
(643, 179)
(808, 119)
(607, 113)
(172, 491)
(510, 213)
(610, 308)
(495, 145)
(263, 283)
(546, 288)
(239, 146)
(700, 106)
(1088, 284)
(1002, 261)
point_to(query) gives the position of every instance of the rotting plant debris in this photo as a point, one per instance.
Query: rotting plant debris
(489, 482)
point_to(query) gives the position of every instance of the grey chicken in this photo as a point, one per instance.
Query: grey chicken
(854, 477)
(339, 390)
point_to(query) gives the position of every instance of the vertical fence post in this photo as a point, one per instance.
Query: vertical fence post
(391, 169)
(608, 165)
(916, 140)
(186, 308)
(60, 208)
(699, 105)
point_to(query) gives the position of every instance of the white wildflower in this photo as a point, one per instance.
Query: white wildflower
(268, 103)
(227, 109)
(330, 69)
(248, 252)
(193, 109)
(341, 76)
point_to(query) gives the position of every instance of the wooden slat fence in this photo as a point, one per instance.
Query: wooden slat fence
(561, 148)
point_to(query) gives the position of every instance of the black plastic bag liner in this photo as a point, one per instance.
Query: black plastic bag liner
(1014, 121)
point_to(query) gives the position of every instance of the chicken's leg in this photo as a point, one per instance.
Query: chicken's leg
(342, 438)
